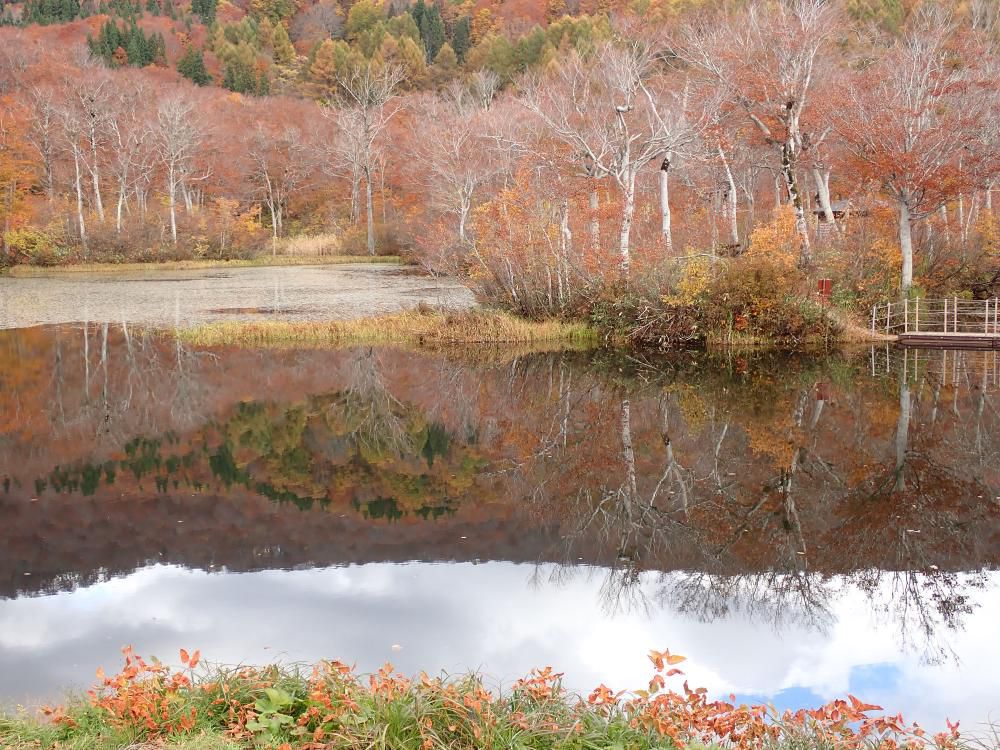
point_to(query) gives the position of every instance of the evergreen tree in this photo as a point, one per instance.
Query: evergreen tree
(445, 65)
(205, 9)
(432, 31)
(243, 79)
(417, 11)
(284, 52)
(192, 66)
(461, 37)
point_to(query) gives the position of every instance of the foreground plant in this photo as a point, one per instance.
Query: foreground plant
(331, 706)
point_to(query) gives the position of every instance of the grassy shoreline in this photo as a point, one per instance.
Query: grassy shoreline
(415, 327)
(262, 261)
(329, 706)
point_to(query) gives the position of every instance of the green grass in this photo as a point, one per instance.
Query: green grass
(194, 265)
(421, 326)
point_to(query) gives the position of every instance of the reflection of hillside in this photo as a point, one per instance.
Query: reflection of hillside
(754, 482)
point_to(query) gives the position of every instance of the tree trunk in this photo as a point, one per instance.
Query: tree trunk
(734, 229)
(628, 211)
(98, 203)
(79, 202)
(463, 216)
(371, 211)
(274, 227)
(905, 246)
(565, 247)
(821, 178)
(355, 196)
(668, 239)
(902, 432)
(792, 185)
(172, 198)
(595, 221)
(118, 212)
(628, 452)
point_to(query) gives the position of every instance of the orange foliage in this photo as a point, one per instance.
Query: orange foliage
(159, 702)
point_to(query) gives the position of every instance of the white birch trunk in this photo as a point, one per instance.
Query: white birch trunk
(905, 245)
(79, 200)
(371, 211)
(595, 221)
(821, 179)
(668, 239)
(628, 211)
(731, 206)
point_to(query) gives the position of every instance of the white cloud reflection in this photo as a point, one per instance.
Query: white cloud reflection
(494, 617)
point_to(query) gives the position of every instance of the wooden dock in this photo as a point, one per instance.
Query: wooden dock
(940, 323)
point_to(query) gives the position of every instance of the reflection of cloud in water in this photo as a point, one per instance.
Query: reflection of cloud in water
(486, 616)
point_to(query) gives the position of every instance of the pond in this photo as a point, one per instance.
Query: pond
(799, 527)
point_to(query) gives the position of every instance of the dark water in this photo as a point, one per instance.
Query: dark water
(798, 527)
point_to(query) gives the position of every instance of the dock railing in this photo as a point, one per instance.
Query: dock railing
(966, 317)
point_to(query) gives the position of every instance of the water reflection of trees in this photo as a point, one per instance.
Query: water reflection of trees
(764, 487)
(897, 521)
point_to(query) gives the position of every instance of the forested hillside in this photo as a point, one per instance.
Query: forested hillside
(630, 161)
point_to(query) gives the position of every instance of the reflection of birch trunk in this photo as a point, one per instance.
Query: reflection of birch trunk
(902, 432)
(628, 453)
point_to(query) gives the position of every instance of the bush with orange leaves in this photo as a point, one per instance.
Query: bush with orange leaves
(331, 706)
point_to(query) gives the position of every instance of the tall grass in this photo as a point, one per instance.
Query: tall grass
(311, 244)
(420, 326)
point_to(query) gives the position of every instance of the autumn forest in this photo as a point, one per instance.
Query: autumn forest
(636, 162)
(485, 335)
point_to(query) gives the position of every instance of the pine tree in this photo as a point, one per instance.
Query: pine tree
(205, 9)
(445, 65)
(432, 31)
(243, 79)
(461, 37)
(192, 66)
(417, 11)
(284, 52)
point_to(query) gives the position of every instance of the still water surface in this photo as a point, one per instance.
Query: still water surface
(798, 527)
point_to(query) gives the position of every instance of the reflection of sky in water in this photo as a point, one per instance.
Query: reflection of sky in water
(492, 617)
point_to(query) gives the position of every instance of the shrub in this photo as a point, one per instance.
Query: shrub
(40, 247)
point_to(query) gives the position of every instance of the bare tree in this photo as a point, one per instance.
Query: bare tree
(72, 131)
(43, 134)
(92, 96)
(614, 110)
(278, 167)
(916, 119)
(457, 155)
(368, 94)
(130, 139)
(484, 85)
(765, 61)
(178, 136)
